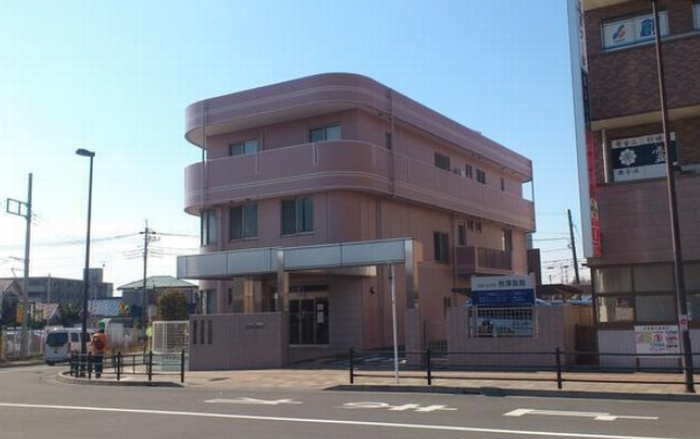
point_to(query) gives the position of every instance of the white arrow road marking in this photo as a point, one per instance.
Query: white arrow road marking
(346, 422)
(396, 408)
(597, 416)
(253, 401)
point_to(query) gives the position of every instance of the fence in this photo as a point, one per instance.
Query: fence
(170, 337)
(11, 341)
(147, 364)
(377, 364)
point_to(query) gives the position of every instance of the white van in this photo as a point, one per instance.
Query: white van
(60, 342)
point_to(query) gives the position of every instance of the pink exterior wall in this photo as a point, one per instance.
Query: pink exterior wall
(354, 199)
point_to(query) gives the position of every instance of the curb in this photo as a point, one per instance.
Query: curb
(66, 378)
(501, 392)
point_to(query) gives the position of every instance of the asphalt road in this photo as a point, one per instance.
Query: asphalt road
(33, 404)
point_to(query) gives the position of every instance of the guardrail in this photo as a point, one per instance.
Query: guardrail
(429, 367)
(145, 363)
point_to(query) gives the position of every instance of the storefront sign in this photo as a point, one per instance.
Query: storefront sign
(502, 291)
(638, 158)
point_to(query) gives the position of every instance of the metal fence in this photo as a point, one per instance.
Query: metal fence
(377, 363)
(148, 364)
(11, 341)
(170, 337)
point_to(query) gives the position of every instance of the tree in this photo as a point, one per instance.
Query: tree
(172, 305)
(69, 315)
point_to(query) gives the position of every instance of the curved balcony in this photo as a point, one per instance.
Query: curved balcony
(348, 165)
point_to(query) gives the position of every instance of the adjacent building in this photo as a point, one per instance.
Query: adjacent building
(622, 161)
(313, 191)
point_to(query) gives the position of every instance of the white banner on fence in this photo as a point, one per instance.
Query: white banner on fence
(657, 339)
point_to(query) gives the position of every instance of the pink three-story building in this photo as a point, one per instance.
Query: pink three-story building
(311, 190)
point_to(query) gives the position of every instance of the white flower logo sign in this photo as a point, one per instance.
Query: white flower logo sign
(628, 157)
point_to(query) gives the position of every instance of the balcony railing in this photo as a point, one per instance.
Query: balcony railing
(350, 164)
(482, 260)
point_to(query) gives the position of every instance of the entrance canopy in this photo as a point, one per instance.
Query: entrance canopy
(280, 260)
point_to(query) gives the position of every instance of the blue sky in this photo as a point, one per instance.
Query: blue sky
(116, 77)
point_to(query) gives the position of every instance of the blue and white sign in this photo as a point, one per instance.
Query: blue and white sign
(639, 158)
(502, 291)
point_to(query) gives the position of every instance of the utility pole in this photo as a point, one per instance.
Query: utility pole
(24, 209)
(573, 246)
(148, 236)
(678, 272)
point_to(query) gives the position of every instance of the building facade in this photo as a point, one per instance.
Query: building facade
(311, 192)
(630, 248)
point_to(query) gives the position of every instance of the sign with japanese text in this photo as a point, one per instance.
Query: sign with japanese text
(641, 157)
(657, 339)
(502, 291)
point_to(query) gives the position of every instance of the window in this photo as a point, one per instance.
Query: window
(246, 147)
(478, 227)
(209, 227)
(328, 132)
(446, 305)
(696, 15)
(632, 30)
(387, 140)
(461, 235)
(297, 216)
(243, 221)
(481, 176)
(468, 171)
(442, 161)
(507, 240)
(503, 184)
(441, 247)
(470, 225)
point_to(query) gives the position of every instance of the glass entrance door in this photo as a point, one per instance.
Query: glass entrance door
(308, 321)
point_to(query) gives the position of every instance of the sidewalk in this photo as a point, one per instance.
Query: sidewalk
(486, 383)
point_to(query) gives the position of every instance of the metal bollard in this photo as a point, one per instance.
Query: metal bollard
(430, 371)
(119, 365)
(182, 366)
(150, 366)
(352, 366)
(558, 360)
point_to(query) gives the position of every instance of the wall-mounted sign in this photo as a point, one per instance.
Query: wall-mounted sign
(502, 291)
(638, 158)
(657, 339)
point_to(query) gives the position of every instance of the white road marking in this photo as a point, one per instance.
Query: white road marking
(597, 416)
(17, 369)
(330, 422)
(396, 408)
(254, 401)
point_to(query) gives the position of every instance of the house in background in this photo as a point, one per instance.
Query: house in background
(310, 189)
(156, 286)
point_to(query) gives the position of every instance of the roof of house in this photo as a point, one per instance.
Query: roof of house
(109, 307)
(158, 282)
(49, 310)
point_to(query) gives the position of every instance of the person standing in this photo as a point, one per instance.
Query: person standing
(98, 346)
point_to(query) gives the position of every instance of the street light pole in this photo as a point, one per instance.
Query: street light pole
(679, 277)
(86, 270)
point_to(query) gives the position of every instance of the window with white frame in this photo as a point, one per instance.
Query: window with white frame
(441, 247)
(632, 30)
(209, 227)
(243, 221)
(327, 132)
(297, 215)
(696, 15)
(249, 146)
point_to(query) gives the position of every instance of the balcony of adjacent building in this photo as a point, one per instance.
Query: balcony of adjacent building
(349, 165)
(475, 260)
